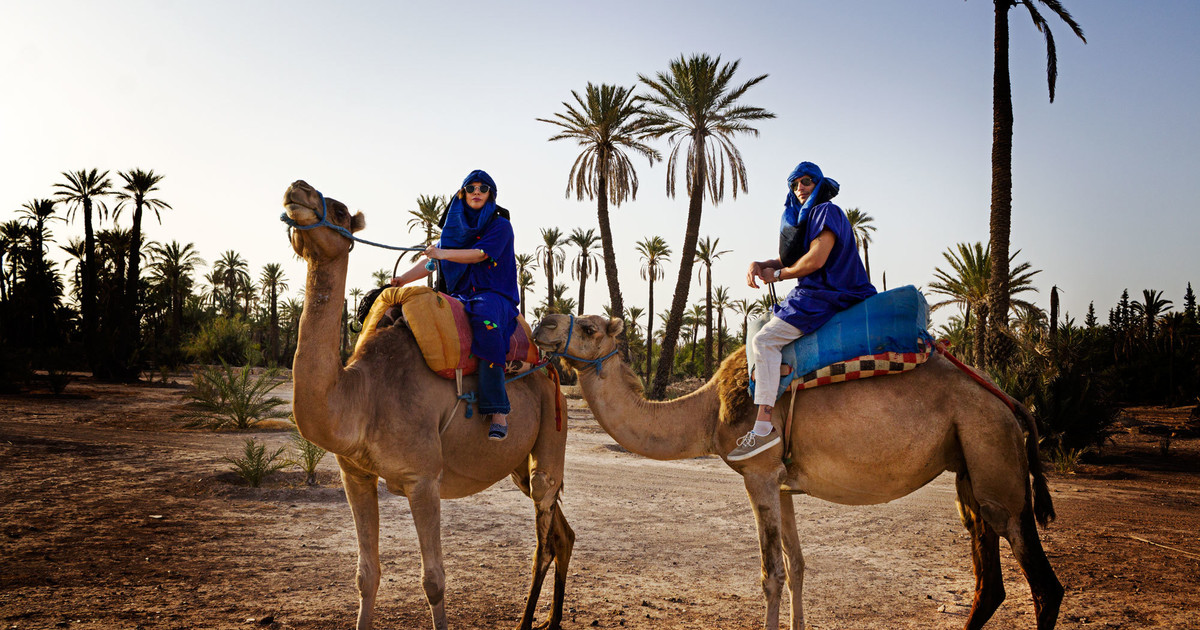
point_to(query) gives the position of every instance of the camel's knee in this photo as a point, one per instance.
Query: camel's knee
(367, 578)
(543, 489)
(434, 583)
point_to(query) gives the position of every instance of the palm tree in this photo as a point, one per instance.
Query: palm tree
(706, 254)
(585, 261)
(172, 266)
(1149, 309)
(692, 320)
(273, 281)
(74, 249)
(138, 184)
(720, 302)
(1002, 132)
(694, 104)
(747, 308)
(233, 274)
(550, 257)
(425, 219)
(85, 190)
(12, 235)
(654, 252)
(381, 277)
(966, 285)
(861, 226)
(607, 122)
(525, 265)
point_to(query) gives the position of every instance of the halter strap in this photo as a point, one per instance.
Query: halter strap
(596, 364)
(324, 222)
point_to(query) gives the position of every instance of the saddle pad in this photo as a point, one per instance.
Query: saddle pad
(861, 367)
(443, 333)
(890, 323)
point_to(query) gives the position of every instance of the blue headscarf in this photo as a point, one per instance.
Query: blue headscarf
(793, 212)
(464, 225)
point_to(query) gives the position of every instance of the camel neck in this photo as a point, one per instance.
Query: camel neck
(675, 429)
(317, 367)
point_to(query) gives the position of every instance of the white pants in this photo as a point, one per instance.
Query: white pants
(767, 357)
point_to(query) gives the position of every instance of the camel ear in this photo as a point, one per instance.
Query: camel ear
(358, 222)
(615, 326)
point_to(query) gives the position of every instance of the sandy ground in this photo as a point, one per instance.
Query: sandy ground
(114, 516)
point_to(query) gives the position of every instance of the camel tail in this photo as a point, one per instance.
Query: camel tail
(1043, 505)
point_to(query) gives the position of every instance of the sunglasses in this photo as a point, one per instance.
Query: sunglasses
(483, 188)
(804, 181)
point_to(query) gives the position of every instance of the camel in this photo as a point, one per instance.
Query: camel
(857, 443)
(387, 415)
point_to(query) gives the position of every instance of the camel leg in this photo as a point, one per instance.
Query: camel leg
(363, 497)
(555, 540)
(793, 558)
(764, 498)
(985, 555)
(1047, 590)
(426, 506)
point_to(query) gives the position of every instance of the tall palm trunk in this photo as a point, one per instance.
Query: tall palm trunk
(128, 329)
(582, 285)
(1001, 211)
(650, 327)
(610, 255)
(87, 297)
(867, 259)
(274, 326)
(708, 335)
(666, 358)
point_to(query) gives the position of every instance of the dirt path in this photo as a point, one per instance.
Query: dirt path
(113, 516)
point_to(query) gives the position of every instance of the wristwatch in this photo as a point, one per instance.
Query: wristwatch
(778, 274)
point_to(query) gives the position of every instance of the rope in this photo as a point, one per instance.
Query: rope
(324, 222)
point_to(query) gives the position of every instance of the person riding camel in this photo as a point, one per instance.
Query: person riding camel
(817, 248)
(478, 267)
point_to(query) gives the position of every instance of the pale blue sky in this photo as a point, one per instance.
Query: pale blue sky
(377, 103)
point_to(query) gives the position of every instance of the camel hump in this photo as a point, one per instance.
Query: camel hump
(439, 324)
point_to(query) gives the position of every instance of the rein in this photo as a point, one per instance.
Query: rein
(596, 364)
(324, 222)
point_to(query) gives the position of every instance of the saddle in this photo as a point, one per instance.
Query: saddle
(442, 331)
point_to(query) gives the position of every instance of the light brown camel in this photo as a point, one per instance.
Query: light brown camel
(381, 416)
(856, 443)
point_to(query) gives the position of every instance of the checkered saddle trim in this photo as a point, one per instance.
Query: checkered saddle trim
(857, 368)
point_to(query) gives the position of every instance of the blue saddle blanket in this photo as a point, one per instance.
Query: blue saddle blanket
(892, 321)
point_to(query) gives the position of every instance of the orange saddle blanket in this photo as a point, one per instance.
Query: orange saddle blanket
(443, 333)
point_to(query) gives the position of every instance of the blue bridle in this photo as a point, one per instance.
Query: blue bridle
(597, 364)
(324, 222)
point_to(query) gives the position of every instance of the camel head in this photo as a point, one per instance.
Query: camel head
(303, 205)
(587, 337)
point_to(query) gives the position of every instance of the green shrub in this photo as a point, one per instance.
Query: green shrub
(222, 340)
(308, 455)
(255, 464)
(226, 397)
(1065, 460)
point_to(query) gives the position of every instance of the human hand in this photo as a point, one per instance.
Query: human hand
(767, 275)
(396, 282)
(433, 252)
(753, 274)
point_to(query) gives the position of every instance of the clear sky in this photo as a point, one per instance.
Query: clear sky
(375, 103)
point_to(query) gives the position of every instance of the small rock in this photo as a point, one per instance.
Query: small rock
(942, 608)
(157, 517)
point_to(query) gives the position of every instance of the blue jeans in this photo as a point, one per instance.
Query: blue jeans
(493, 397)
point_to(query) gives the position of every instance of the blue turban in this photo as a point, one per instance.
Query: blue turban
(464, 225)
(793, 212)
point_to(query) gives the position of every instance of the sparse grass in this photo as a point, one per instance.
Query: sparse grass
(308, 455)
(226, 397)
(255, 463)
(1064, 459)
